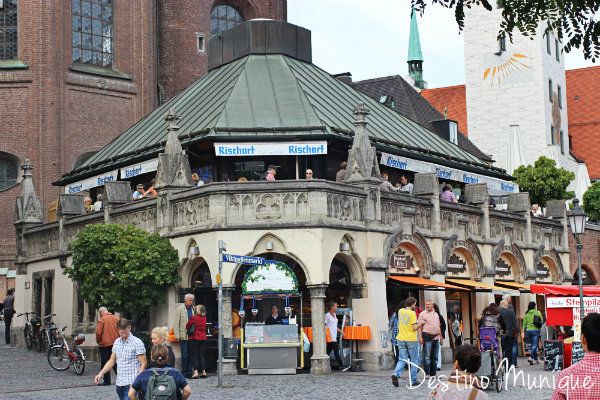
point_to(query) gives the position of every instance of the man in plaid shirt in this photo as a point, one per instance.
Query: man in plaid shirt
(129, 353)
(581, 381)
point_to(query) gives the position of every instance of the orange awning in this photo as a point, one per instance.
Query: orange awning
(481, 285)
(415, 280)
(515, 285)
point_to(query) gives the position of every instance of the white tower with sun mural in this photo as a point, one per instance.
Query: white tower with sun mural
(516, 94)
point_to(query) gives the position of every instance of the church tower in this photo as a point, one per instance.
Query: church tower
(515, 92)
(415, 57)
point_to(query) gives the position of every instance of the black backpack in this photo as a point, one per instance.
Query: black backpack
(161, 386)
(537, 321)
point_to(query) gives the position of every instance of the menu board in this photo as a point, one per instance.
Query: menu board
(577, 353)
(553, 355)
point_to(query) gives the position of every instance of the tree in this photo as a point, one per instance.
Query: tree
(574, 21)
(544, 181)
(122, 268)
(591, 201)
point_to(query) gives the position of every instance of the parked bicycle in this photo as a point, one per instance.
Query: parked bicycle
(32, 330)
(60, 356)
(49, 329)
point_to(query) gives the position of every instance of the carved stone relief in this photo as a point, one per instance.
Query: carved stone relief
(345, 208)
(269, 206)
(190, 213)
(423, 217)
(143, 219)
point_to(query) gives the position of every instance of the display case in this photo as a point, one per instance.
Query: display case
(271, 349)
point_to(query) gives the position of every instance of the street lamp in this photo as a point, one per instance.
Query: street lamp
(577, 218)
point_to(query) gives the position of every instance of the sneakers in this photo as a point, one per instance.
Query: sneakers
(537, 361)
(395, 380)
(415, 383)
(530, 361)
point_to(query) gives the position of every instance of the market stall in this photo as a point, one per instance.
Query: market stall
(270, 349)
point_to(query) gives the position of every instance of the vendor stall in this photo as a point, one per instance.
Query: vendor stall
(276, 348)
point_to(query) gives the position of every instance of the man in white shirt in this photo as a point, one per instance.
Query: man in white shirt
(331, 323)
(406, 185)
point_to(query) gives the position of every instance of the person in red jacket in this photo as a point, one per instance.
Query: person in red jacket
(198, 341)
(106, 334)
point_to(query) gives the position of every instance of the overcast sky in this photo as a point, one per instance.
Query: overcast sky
(369, 38)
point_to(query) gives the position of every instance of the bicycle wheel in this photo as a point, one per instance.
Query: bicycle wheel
(499, 379)
(79, 362)
(58, 358)
(27, 334)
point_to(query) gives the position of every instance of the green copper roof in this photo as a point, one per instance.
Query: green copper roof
(414, 42)
(270, 95)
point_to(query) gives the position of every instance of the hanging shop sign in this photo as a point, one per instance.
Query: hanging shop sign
(270, 149)
(402, 263)
(93, 182)
(272, 277)
(138, 169)
(502, 268)
(542, 271)
(494, 185)
(456, 264)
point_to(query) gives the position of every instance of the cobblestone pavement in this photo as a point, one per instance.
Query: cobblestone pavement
(26, 375)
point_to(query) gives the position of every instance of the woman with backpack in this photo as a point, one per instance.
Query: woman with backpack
(164, 381)
(532, 323)
(197, 338)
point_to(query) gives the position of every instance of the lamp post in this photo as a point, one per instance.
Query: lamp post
(577, 218)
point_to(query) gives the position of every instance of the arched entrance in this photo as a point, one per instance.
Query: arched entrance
(202, 289)
(586, 276)
(339, 284)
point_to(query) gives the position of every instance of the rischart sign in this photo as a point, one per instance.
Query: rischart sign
(570, 302)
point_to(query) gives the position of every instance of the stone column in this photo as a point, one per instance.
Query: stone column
(319, 362)
(427, 186)
(229, 367)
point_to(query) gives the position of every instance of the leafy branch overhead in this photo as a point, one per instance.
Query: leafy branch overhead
(591, 201)
(544, 181)
(575, 22)
(123, 268)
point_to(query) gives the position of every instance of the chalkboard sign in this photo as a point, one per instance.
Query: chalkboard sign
(577, 353)
(527, 344)
(553, 355)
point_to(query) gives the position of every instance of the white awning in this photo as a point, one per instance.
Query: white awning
(495, 185)
(250, 149)
(93, 182)
(138, 169)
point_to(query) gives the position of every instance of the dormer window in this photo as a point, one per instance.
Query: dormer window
(453, 126)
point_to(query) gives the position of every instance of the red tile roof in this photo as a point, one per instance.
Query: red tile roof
(583, 106)
(453, 98)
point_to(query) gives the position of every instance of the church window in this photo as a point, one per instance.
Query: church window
(557, 49)
(548, 43)
(502, 42)
(559, 95)
(570, 142)
(200, 43)
(224, 17)
(92, 32)
(553, 138)
(9, 171)
(550, 91)
(562, 142)
(8, 30)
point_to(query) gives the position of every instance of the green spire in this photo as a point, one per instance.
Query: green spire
(414, 42)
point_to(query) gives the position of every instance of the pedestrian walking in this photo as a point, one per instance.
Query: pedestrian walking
(182, 315)
(197, 340)
(167, 381)
(515, 348)
(129, 353)
(432, 338)
(455, 330)
(409, 340)
(511, 330)
(331, 323)
(443, 330)
(159, 336)
(9, 312)
(491, 318)
(106, 334)
(393, 329)
(532, 323)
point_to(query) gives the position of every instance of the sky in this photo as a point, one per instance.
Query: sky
(369, 38)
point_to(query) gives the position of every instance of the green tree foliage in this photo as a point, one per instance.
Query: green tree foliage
(591, 201)
(121, 267)
(544, 181)
(574, 21)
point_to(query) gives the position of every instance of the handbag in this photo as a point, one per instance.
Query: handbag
(192, 329)
(427, 336)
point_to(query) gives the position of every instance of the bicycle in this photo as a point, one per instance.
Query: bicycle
(49, 329)
(29, 330)
(60, 357)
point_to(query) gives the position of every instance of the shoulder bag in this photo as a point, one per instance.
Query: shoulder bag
(192, 329)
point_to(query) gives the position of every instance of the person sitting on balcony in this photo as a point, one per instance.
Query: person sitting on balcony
(98, 204)
(447, 195)
(386, 186)
(536, 211)
(309, 174)
(196, 180)
(151, 192)
(406, 185)
(341, 174)
(89, 207)
(139, 193)
(269, 175)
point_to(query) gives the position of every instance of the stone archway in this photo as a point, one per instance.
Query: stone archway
(463, 260)
(548, 259)
(414, 247)
(509, 263)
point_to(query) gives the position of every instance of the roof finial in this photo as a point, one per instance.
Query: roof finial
(361, 112)
(27, 167)
(415, 57)
(172, 118)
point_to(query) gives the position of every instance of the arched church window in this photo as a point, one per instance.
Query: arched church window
(9, 171)
(92, 32)
(8, 30)
(224, 17)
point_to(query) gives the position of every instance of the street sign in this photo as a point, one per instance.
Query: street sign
(230, 258)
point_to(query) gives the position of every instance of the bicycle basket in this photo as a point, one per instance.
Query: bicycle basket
(80, 338)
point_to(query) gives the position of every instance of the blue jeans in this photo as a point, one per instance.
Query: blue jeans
(534, 337)
(408, 351)
(186, 365)
(122, 392)
(515, 352)
(430, 355)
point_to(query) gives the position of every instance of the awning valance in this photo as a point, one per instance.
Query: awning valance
(481, 285)
(415, 280)
(515, 285)
(566, 290)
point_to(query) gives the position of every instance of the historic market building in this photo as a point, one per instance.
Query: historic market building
(346, 241)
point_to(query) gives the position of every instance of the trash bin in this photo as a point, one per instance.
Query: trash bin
(230, 348)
